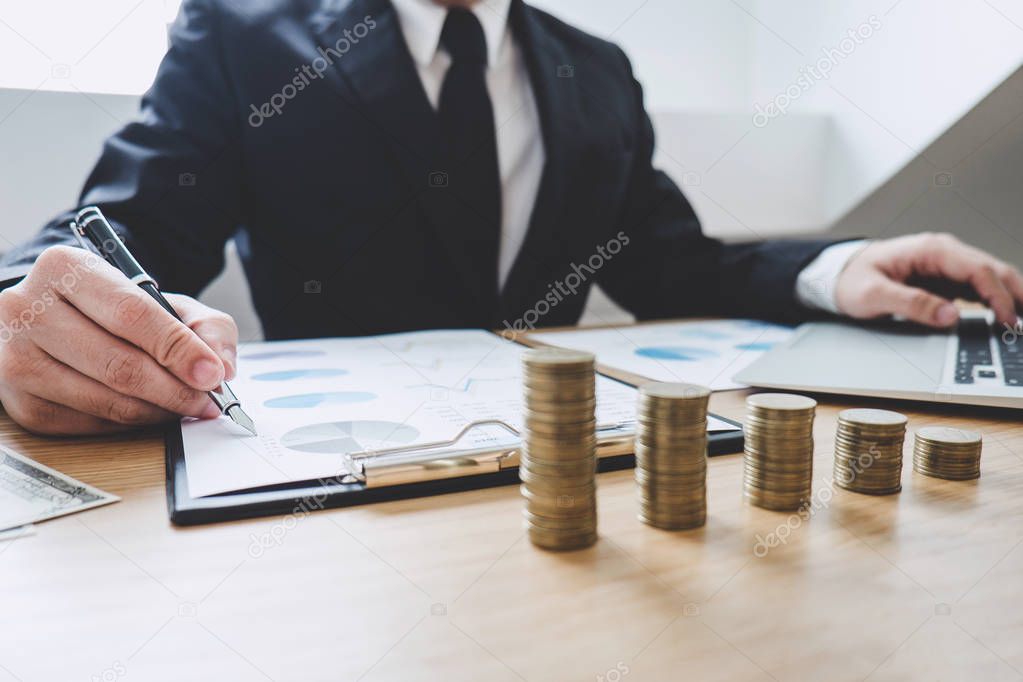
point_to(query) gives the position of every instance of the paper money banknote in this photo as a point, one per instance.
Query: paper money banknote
(31, 492)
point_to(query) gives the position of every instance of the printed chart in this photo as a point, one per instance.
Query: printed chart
(349, 436)
(315, 401)
(707, 353)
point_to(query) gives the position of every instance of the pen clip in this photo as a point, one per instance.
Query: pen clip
(88, 238)
(104, 241)
(79, 233)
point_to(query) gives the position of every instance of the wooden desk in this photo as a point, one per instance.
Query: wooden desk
(924, 585)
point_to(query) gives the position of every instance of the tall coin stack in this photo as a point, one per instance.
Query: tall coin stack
(778, 457)
(558, 459)
(671, 455)
(868, 451)
(944, 452)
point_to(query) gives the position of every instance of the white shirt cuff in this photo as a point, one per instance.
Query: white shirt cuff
(815, 285)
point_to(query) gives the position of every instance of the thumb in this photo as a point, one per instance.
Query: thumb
(916, 305)
(216, 328)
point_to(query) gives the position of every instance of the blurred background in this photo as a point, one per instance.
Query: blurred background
(871, 118)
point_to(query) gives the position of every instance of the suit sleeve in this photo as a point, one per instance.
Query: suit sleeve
(169, 181)
(670, 268)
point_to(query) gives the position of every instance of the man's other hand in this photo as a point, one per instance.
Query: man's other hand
(83, 350)
(887, 276)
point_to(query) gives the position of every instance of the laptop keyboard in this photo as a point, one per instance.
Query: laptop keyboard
(1010, 348)
(975, 354)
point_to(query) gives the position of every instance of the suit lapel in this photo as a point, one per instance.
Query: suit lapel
(557, 100)
(381, 72)
(391, 99)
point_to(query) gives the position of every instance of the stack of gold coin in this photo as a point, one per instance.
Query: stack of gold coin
(671, 455)
(779, 450)
(944, 452)
(868, 451)
(558, 458)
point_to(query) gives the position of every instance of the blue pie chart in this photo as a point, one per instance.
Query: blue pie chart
(755, 345)
(677, 353)
(305, 400)
(290, 374)
(277, 354)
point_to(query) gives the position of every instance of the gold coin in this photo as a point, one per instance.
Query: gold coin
(567, 524)
(945, 435)
(787, 402)
(671, 391)
(560, 542)
(561, 485)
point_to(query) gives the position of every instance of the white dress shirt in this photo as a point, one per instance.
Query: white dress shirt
(520, 150)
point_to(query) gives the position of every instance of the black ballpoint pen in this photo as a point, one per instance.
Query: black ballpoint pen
(89, 223)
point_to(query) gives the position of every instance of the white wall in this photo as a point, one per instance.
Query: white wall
(979, 199)
(690, 55)
(110, 46)
(927, 65)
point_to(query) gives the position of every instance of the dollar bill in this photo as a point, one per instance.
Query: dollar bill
(31, 492)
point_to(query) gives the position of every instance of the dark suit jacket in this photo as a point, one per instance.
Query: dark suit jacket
(340, 190)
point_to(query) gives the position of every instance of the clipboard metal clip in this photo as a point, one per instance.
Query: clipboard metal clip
(423, 453)
(359, 464)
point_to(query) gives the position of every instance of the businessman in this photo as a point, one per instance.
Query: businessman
(386, 165)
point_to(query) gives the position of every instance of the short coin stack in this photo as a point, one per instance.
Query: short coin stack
(558, 463)
(944, 452)
(868, 451)
(671, 455)
(778, 457)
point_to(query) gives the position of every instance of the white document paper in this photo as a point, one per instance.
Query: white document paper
(16, 533)
(706, 353)
(31, 492)
(315, 401)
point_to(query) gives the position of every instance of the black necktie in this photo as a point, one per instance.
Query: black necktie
(467, 119)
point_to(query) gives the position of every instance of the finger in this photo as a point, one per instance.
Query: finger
(76, 341)
(966, 264)
(47, 418)
(43, 377)
(994, 292)
(915, 304)
(216, 328)
(126, 311)
(1013, 281)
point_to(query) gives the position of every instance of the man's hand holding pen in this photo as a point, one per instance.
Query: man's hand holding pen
(84, 350)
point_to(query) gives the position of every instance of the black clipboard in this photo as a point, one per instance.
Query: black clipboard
(306, 496)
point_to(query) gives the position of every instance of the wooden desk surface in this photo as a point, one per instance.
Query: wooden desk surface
(924, 585)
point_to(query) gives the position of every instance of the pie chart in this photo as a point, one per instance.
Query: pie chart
(755, 346)
(681, 353)
(292, 374)
(349, 436)
(305, 400)
(277, 354)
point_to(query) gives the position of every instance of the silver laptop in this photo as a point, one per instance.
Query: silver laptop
(978, 364)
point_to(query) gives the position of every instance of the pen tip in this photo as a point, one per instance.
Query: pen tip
(238, 416)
